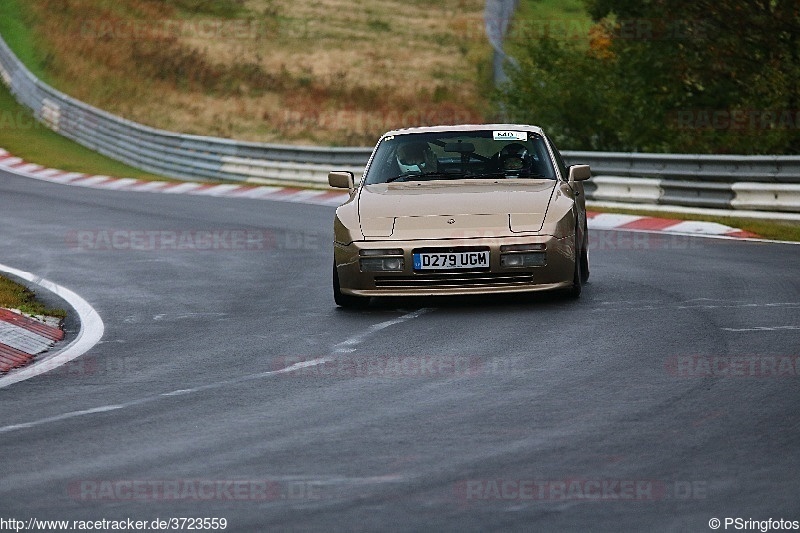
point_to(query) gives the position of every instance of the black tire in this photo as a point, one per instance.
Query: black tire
(346, 300)
(577, 276)
(585, 261)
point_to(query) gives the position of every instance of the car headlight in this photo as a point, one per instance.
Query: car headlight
(381, 260)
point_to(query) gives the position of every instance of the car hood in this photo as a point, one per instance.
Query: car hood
(453, 209)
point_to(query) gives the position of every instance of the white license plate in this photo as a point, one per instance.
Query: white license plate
(444, 261)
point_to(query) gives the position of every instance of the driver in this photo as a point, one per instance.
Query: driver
(416, 157)
(514, 157)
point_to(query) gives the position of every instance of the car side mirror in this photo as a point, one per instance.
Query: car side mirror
(579, 173)
(341, 180)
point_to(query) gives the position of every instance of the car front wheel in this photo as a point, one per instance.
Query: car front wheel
(346, 300)
(585, 258)
(578, 276)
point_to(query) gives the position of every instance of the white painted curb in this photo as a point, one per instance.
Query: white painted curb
(91, 331)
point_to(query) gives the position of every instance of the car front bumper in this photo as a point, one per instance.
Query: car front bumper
(557, 271)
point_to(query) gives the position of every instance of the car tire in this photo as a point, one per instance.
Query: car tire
(585, 259)
(577, 276)
(346, 300)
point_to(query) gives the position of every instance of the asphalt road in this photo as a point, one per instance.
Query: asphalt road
(666, 396)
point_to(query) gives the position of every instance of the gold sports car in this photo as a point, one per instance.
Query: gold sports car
(467, 209)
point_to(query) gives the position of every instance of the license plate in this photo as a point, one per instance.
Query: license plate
(451, 260)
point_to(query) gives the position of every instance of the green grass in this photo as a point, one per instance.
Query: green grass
(767, 229)
(15, 23)
(560, 19)
(16, 296)
(23, 136)
(553, 10)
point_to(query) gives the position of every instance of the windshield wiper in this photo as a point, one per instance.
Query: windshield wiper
(503, 174)
(426, 175)
(404, 175)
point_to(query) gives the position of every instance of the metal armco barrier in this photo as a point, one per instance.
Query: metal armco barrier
(173, 154)
(766, 183)
(693, 167)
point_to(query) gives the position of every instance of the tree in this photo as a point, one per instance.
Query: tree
(682, 76)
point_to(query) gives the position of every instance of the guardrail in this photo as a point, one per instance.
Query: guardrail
(770, 183)
(768, 197)
(757, 183)
(167, 153)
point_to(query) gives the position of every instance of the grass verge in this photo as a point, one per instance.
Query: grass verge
(15, 24)
(329, 72)
(23, 136)
(16, 296)
(767, 229)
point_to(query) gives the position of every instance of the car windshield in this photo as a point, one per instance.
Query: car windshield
(459, 155)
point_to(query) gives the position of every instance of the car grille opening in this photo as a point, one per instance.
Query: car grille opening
(455, 279)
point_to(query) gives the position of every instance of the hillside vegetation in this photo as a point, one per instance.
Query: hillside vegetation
(325, 72)
(662, 76)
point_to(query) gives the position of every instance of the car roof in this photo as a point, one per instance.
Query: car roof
(466, 128)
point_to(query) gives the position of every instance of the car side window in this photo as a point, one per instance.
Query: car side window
(562, 166)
